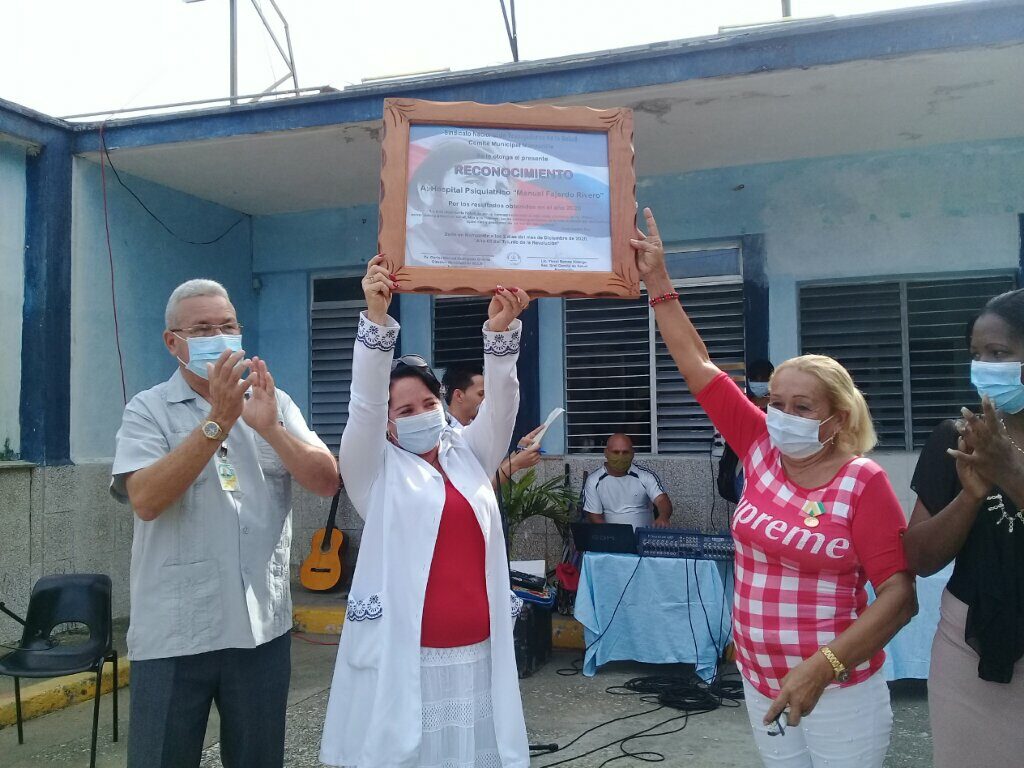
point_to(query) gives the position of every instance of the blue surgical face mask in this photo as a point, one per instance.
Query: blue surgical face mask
(758, 388)
(421, 433)
(794, 436)
(206, 349)
(1001, 382)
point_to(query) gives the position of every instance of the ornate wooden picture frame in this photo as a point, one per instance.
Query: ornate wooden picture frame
(541, 198)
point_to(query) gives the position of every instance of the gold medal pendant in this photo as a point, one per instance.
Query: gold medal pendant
(812, 510)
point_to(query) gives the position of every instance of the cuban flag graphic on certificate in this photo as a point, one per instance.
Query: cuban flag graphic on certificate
(508, 198)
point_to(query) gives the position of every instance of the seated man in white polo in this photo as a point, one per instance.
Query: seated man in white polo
(624, 492)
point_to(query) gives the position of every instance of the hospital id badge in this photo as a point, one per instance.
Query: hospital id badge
(226, 472)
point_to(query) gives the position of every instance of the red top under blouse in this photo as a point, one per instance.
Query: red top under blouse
(455, 611)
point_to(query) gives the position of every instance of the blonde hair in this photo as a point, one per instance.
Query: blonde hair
(858, 434)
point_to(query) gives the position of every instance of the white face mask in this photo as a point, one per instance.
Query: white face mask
(421, 433)
(208, 349)
(758, 388)
(795, 436)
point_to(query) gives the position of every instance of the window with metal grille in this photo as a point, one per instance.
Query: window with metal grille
(621, 378)
(457, 336)
(334, 318)
(903, 342)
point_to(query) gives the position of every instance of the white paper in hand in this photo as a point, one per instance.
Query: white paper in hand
(544, 427)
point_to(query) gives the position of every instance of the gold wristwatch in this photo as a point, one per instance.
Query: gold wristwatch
(841, 672)
(212, 430)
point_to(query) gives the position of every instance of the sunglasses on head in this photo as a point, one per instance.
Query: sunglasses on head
(413, 361)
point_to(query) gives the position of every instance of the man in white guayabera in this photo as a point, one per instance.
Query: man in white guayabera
(206, 461)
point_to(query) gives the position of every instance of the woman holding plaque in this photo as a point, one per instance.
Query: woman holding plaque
(970, 492)
(426, 672)
(815, 522)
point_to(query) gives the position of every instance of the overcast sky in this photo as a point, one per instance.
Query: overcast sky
(63, 57)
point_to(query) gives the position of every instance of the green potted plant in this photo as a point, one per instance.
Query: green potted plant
(525, 497)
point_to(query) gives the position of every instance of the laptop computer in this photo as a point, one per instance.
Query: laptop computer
(616, 538)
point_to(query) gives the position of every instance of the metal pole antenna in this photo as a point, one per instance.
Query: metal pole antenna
(510, 28)
(233, 11)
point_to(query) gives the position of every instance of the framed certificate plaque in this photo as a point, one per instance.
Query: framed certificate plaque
(541, 198)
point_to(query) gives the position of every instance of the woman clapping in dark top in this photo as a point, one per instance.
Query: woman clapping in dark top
(970, 487)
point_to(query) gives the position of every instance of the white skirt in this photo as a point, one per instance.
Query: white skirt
(458, 722)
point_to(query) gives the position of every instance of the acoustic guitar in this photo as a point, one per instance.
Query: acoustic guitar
(321, 571)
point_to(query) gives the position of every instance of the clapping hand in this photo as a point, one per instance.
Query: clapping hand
(984, 450)
(228, 388)
(260, 411)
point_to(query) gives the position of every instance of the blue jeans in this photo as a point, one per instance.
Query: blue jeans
(170, 707)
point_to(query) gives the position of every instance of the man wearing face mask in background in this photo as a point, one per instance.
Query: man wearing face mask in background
(206, 461)
(623, 492)
(730, 473)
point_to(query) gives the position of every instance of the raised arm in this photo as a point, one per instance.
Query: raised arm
(683, 342)
(364, 441)
(490, 433)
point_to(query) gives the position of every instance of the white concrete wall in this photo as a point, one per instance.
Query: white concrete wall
(12, 287)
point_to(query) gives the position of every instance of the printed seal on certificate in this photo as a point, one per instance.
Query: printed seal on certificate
(538, 197)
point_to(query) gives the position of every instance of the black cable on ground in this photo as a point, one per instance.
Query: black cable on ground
(684, 693)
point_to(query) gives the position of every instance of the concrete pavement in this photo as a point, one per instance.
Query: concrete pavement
(559, 708)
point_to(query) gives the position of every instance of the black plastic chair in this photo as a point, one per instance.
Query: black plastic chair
(70, 598)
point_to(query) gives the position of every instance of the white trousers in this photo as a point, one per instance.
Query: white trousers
(848, 728)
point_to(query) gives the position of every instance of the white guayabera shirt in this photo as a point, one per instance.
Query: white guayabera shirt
(211, 572)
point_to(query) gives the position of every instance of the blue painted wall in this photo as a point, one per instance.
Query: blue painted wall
(12, 286)
(289, 251)
(951, 208)
(942, 209)
(148, 264)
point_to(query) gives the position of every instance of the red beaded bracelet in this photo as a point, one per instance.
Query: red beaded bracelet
(666, 297)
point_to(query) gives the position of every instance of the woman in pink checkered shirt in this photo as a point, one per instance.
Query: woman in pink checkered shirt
(815, 523)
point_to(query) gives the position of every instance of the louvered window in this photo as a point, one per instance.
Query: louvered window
(607, 373)
(937, 315)
(458, 339)
(716, 311)
(859, 325)
(334, 317)
(621, 378)
(904, 344)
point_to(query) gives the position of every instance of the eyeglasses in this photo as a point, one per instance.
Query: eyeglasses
(210, 330)
(413, 361)
(775, 728)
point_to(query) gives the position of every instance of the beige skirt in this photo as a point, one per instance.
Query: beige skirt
(974, 722)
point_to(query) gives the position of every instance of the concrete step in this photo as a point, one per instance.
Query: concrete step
(324, 614)
(42, 698)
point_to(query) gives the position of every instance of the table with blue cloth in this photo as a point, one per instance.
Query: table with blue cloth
(674, 610)
(671, 610)
(909, 653)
